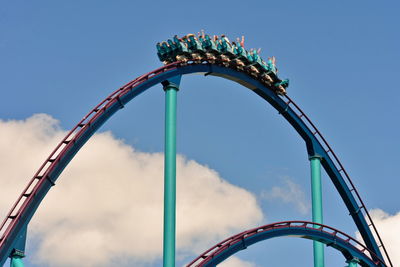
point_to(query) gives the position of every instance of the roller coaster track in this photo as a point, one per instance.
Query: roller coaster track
(24, 208)
(350, 247)
(341, 168)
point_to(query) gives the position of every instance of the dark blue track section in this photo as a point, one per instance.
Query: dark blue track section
(313, 146)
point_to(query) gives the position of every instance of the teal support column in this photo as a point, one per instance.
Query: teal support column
(171, 88)
(19, 249)
(316, 193)
(16, 259)
(16, 262)
(353, 263)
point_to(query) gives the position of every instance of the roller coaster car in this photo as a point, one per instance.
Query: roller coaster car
(281, 86)
(266, 77)
(210, 48)
(241, 59)
(169, 53)
(255, 64)
(252, 70)
(227, 52)
(238, 64)
(182, 53)
(190, 48)
(268, 71)
(197, 53)
(161, 53)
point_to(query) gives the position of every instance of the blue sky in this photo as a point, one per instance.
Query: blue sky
(63, 57)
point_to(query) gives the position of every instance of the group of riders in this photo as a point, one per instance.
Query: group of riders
(220, 50)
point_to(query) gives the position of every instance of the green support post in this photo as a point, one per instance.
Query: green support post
(316, 192)
(16, 258)
(353, 263)
(171, 88)
(16, 262)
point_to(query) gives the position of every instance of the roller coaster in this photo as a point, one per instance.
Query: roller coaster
(209, 56)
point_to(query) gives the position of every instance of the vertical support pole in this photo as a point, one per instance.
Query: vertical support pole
(19, 249)
(353, 262)
(316, 192)
(16, 262)
(16, 259)
(171, 88)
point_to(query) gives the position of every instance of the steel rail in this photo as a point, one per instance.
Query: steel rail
(217, 253)
(27, 203)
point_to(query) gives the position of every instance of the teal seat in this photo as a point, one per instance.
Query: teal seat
(250, 57)
(162, 51)
(181, 46)
(167, 52)
(257, 59)
(159, 52)
(271, 66)
(283, 83)
(209, 45)
(226, 48)
(172, 46)
(194, 44)
(241, 54)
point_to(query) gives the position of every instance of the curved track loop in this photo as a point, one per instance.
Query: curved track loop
(349, 247)
(27, 203)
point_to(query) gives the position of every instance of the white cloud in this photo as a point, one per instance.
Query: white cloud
(236, 262)
(290, 193)
(106, 208)
(389, 231)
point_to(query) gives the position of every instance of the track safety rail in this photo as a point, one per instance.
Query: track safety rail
(240, 238)
(341, 169)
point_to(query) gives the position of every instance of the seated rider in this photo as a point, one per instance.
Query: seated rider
(201, 36)
(225, 39)
(225, 47)
(208, 43)
(250, 57)
(193, 43)
(284, 83)
(160, 52)
(172, 45)
(272, 65)
(164, 52)
(166, 48)
(240, 51)
(241, 42)
(181, 46)
(256, 56)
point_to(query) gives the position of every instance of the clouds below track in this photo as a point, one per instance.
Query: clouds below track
(106, 209)
(389, 230)
(290, 193)
(236, 262)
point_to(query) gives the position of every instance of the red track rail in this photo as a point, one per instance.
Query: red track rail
(218, 248)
